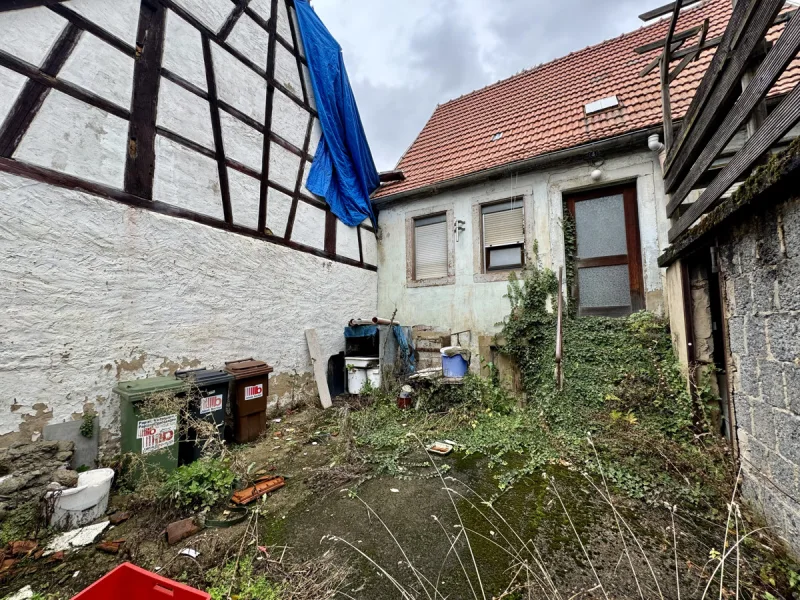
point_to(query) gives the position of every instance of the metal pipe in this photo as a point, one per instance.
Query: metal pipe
(379, 321)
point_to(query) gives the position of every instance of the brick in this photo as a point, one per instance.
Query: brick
(783, 473)
(772, 390)
(736, 335)
(765, 227)
(756, 333)
(747, 376)
(784, 337)
(792, 373)
(744, 417)
(742, 294)
(791, 228)
(764, 424)
(764, 280)
(788, 432)
(788, 277)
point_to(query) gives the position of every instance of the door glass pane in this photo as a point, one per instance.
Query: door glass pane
(600, 227)
(604, 286)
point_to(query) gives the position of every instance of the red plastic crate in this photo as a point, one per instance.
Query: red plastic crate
(129, 582)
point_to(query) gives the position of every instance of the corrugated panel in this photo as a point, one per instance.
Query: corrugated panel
(430, 248)
(504, 228)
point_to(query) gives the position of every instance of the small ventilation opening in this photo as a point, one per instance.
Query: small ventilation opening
(599, 105)
(497, 136)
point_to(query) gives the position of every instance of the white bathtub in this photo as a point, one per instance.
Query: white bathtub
(79, 506)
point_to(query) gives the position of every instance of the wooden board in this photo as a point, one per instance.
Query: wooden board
(320, 368)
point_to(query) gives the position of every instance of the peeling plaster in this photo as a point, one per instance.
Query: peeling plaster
(129, 293)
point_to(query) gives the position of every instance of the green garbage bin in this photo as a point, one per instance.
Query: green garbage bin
(150, 431)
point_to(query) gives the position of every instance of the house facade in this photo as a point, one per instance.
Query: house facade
(153, 208)
(496, 177)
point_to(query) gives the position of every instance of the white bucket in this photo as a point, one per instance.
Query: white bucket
(79, 506)
(374, 376)
(356, 379)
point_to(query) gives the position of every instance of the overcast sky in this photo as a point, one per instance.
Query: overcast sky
(406, 56)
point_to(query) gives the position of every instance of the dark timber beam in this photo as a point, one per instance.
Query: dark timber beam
(6, 5)
(749, 24)
(87, 25)
(330, 233)
(140, 164)
(666, 100)
(216, 127)
(777, 125)
(663, 10)
(765, 77)
(56, 178)
(34, 92)
(296, 51)
(233, 18)
(269, 102)
(299, 183)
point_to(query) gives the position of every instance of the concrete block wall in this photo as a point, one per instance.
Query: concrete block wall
(760, 263)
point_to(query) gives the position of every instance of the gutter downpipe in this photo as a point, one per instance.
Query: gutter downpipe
(632, 139)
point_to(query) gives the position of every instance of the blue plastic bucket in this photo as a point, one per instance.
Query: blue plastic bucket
(454, 366)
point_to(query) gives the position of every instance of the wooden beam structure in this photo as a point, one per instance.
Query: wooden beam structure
(664, 10)
(749, 24)
(666, 100)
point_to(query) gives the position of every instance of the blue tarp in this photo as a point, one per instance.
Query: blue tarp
(343, 171)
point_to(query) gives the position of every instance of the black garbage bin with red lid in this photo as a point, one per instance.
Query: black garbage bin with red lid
(249, 398)
(208, 392)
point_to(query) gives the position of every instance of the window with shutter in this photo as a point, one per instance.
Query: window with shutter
(504, 235)
(430, 247)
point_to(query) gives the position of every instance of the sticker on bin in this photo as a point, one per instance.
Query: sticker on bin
(251, 392)
(210, 404)
(157, 433)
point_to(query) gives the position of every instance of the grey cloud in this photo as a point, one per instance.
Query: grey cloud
(447, 59)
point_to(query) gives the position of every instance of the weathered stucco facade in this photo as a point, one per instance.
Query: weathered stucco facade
(760, 261)
(474, 301)
(153, 212)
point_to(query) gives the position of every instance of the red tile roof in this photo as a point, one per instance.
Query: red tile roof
(542, 110)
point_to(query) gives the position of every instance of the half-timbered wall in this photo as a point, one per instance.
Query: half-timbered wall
(153, 208)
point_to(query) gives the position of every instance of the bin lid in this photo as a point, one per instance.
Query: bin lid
(204, 377)
(242, 369)
(139, 389)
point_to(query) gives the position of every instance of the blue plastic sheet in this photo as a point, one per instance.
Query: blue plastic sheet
(343, 171)
(403, 336)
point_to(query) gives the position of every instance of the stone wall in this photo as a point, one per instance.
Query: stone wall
(26, 469)
(760, 262)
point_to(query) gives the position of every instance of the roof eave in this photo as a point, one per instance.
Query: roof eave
(619, 142)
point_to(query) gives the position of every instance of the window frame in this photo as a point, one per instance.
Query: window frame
(480, 273)
(411, 219)
(633, 258)
(485, 268)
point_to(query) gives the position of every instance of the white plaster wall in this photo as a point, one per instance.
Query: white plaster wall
(347, 241)
(312, 100)
(289, 120)
(468, 305)
(186, 179)
(95, 292)
(185, 114)
(245, 197)
(251, 40)
(102, 69)
(72, 137)
(183, 51)
(300, 47)
(316, 136)
(119, 17)
(278, 207)
(29, 34)
(211, 13)
(309, 226)
(242, 143)
(284, 27)
(239, 85)
(283, 166)
(286, 71)
(11, 85)
(371, 250)
(262, 7)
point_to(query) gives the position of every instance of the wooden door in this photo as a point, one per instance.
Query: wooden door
(609, 280)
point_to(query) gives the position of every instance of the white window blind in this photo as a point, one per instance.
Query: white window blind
(503, 227)
(430, 248)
